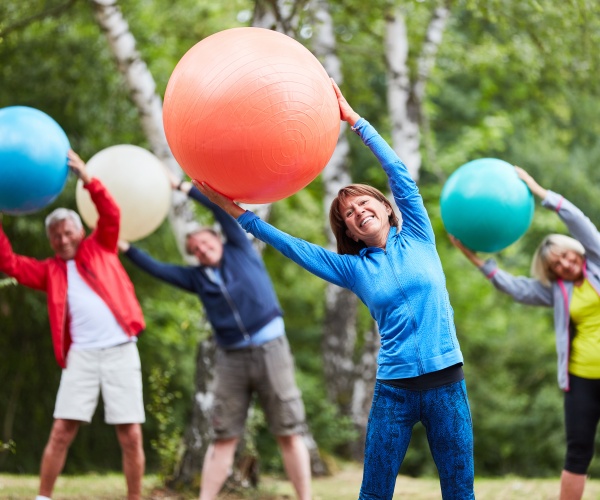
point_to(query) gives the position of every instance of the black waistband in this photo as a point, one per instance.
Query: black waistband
(431, 380)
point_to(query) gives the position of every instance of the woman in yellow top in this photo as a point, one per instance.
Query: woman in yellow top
(566, 277)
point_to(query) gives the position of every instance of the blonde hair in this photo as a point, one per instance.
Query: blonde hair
(552, 244)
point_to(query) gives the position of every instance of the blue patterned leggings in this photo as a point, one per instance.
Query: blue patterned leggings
(445, 414)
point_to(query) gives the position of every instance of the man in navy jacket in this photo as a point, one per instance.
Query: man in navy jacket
(253, 355)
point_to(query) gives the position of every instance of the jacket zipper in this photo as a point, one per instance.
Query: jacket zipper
(229, 300)
(412, 316)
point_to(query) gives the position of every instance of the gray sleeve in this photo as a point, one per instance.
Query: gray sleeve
(523, 289)
(578, 224)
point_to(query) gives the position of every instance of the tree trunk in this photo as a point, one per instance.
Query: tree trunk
(142, 89)
(149, 104)
(404, 95)
(197, 434)
(348, 386)
(143, 93)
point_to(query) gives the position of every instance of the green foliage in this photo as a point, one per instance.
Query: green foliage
(10, 446)
(513, 79)
(167, 444)
(7, 282)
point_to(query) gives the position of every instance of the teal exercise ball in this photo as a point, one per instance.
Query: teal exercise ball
(485, 205)
(33, 159)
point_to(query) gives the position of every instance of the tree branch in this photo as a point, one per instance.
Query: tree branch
(51, 12)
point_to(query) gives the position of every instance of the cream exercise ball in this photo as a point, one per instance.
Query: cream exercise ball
(138, 182)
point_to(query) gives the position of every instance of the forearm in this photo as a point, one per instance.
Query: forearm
(178, 276)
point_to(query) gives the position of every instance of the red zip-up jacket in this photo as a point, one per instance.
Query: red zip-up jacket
(98, 263)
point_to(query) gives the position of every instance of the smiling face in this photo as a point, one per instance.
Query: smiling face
(565, 264)
(65, 237)
(206, 246)
(367, 219)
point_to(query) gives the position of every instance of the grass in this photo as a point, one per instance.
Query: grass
(342, 486)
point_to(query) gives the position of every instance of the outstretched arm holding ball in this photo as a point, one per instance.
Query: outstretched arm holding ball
(217, 198)
(469, 254)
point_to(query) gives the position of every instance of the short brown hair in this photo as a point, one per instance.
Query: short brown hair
(345, 244)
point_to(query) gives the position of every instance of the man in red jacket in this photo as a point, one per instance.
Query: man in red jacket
(95, 319)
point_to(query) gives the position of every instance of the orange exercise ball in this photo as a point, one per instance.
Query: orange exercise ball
(252, 113)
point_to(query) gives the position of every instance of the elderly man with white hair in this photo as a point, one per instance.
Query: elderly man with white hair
(95, 319)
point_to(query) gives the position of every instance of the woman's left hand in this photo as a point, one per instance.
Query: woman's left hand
(219, 199)
(346, 112)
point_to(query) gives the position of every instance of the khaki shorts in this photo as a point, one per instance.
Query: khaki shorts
(116, 372)
(268, 372)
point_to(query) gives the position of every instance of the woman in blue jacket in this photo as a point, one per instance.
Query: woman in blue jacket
(395, 270)
(566, 274)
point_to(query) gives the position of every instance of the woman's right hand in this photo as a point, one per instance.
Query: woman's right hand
(533, 186)
(219, 199)
(468, 253)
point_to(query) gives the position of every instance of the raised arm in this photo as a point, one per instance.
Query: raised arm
(579, 225)
(321, 262)
(179, 276)
(532, 184)
(525, 290)
(405, 191)
(109, 213)
(231, 229)
(469, 254)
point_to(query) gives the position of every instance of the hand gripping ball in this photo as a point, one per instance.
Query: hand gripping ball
(138, 182)
(486, 205)
(251, 112)
(33, 159)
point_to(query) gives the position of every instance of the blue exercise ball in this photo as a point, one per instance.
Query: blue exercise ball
(33, 159)
(486, 205)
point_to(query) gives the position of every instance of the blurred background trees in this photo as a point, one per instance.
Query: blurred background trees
(516, 80)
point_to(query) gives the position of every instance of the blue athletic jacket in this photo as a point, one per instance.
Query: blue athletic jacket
(244, 302)
(403, 286)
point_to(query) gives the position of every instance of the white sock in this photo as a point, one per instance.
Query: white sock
(41, 497)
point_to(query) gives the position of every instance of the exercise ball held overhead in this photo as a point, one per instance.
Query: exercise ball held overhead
(138, 182)
(486, 205)
(251, 112)
(33, 159)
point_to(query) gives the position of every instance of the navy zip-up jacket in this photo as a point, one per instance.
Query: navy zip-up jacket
(244, 302)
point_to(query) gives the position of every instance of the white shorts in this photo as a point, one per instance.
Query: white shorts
(115, 371)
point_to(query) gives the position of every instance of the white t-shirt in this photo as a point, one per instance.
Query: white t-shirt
(93, 325)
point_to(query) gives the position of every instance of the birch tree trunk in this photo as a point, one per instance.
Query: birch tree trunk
(142, 90)
(282, 16)
(349, 384)
(404, 94)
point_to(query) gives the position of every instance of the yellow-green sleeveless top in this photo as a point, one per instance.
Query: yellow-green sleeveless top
(585, 348)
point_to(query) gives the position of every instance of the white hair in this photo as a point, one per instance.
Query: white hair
(61, 214)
